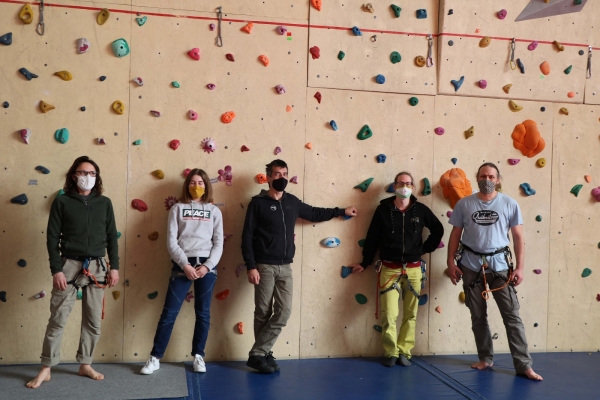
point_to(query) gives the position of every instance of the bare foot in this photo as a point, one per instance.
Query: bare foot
(42, 376)
(530, 373)
(481, 365)
(87, 370)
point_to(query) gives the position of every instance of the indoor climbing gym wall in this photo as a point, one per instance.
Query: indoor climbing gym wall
(348, 94)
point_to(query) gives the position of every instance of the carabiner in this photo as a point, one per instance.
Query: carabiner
(41, 26)
(588, 73)
(429, 50)
(219, 39)
(512, 64)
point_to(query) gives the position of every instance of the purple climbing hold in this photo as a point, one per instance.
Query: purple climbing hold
(280, 89)
(513, 161)
(20, 199)
(277, 150)
(294, 179)
(537, 271)
(211, 86)
(482, 83)
(502, 14)
(454, 160)
(282, 30)
(533, 45)
(439, 131)
(449, 213)
(211, 27)
(441, 245)
(239, 269)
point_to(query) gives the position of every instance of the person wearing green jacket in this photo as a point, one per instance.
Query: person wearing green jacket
(81, 228)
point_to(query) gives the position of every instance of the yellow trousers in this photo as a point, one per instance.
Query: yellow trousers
(395, 344)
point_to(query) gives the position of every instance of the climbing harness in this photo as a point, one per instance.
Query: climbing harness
(429, 50)
(402, 283)
(219, 40)
(588, 74)
(512, 55)
(85, 270)
(41, 27)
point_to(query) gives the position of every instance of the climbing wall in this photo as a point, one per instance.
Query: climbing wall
(592, 87)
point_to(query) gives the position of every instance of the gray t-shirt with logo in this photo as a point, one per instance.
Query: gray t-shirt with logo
(486, 225)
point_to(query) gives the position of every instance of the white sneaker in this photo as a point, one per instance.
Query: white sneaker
(199, 365)
(151, 365)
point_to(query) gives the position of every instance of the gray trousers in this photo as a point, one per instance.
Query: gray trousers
(508, 304)
(61, 305)
(273, 305)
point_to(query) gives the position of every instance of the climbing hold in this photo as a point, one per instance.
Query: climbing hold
(596, 195)
(294, 179)
(141, 20)
(568, 69)
(170, 201)
(225, 175)
(42, 169)
(470, 132)
(575, 189)
(506, 88)
(175, 84)
(426, 187)
(280, 89)
(450, 42)
(485, 41)
(5, 104)
(137, 142)
(22, 263)
(330, 242)
(25, 135)
(317, 4)
(527, 189)
(501, 14)
(533, 45)
(277, 150)
(341, 55)
(513, 161)
(368, 8)
(118, 107)
(364, 185)
(333, 125)
(381, 158)
(20, 199)
(571, 95)
(120, 47)
(462, 297)
(482, 84)
(40, 295)
(396, 10)
(240, 327)
(365, 133)
(282, 30)
(155, 113)
(537, 271)
(421, 13)
(315, 52)
(455, 185)
(158, 173)
(391, 188)
(102, 16)
(45, 107)
(211, 27)
(139, 205)
(514, 107)
(227, 117)
(264, 59)
(564, 110)
(438, 309)
(3, 296)
(62, 135)
(6, 39)
(361, 242)
(395, 57)
(380, 79)
(450, 11)
(449, 213)
(346, 271)
(245, 148)
(559, 46)
(545, 68)
(139, 81)
(153, 236)
(116, 294)
(538, 218)
(378, 328)
(454, 160)
(441, 245)
(420, 61)
(521, 65)
(64, 75)
(527, 138)
(423, 299)
(100, 141)
(413, 101)
(208, 145)
(587, 178)
(318, 97)
(288, 108)
(361, 298)
(356, 31)
(26, 14)
(83, 45)
(586, 272)
(308, 145)
(439, 131)
(61, 192)
(457, 83)
(248, 27)
(102, 78)
(222, 295)
(193, 115)
(261, 178)
(152, 295)
(211, 86)
(541, 162)
(27, 74)
(195, 53)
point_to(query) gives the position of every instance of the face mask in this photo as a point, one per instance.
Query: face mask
(486, 186)
(279, 184)
(404, 192)
(196, 192)
(86, 182)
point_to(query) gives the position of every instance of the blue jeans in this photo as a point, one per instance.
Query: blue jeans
(178, 289)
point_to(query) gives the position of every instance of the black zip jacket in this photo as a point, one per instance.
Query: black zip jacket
(268, 236)
(399, 235)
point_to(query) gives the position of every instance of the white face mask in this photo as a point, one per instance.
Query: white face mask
(404, 192)
(86, 182)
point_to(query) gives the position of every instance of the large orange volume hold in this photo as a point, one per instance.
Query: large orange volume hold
(455, 185)
(527, 138)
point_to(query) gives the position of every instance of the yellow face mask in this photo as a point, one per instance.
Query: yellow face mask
(196, 192)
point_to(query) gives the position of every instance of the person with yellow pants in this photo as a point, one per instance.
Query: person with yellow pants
(397, 230)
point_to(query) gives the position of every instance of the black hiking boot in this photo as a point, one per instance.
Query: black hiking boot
(271, 361)
(260, 364)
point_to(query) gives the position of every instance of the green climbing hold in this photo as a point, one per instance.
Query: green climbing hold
(568, 69)
(586, 272)
(395, 57)
(79, 294)
(141, 21)
(575, 190)
(176, 84)
(119, 235)
(152, 295)
(137, 142)
(361, 243)
(427, 187)
(538, 218)
(577, 2)
(364, 185)
(378, 328)
(60, 193)
(341, 55)
(361, 298)
(365, 133)
(396, 10)
(413, 101)
(62, 135)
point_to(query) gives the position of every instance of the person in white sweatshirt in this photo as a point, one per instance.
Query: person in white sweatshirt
(195, 244)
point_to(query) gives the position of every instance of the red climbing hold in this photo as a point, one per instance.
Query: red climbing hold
(315, 52)
(139, 205)
(317, 4)
(194, 53)
(25, 135)
(174, 144)
(245, 148)
(222, 295)
(229, 56)
(318, 97)
(248, 27)
(240, 327)
(186, 172)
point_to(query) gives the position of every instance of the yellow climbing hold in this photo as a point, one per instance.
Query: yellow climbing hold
(159, 174)
(506, 88)
(514, 107)
(462, 297)
(116, 294)
(64, 75)
(118, 107)
(368, 8)
(103, 16)
(420, 61)
(470, 132)
(559, 46)
(541, 162)
(45, 107)
(485, 41)
(153, 235)
(26, 14)
(564, 111)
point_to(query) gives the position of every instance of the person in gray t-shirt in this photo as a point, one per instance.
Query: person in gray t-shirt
(483, 220)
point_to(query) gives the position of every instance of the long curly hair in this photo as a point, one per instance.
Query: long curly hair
(71, 182)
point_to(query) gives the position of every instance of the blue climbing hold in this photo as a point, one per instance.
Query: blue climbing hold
(457, 84)
(62, 135)
(20, 199)
(346, 271)
(6, 39)
(423, 299)
(333, 125)
(27, 74)
(5, 104)
(380, 79)
(346, 217)
(520, 65)
(102, 78)
(527, 189)
(356, 31)
(22, 263)
(421, 13)
(381, 158)
(42, 169)
(330, 242)
(454, 160)
(391, 188)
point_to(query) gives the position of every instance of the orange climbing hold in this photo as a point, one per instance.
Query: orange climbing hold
(438, 309)
(308, 145)
(222, 295)
(587, 178)
(455, 185)
(571, 95)
(248, 27)
(227, 117)
(288, 108)
(317, 4)
(545, 68)
(264, 59)
(261, 178)
(527, 138)
(240, 327)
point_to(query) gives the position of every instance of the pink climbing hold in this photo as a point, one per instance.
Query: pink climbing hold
(211, 86)
(280, 89)
(174, 144)
(502, 14)
(282, 30)
(533, 45)
(25, 135)
(225, 175)
(596, 193)
(441, 245)
(211, 27)
(513, 161)
(155, 113)
(482, 83)
(208, 145)
(294, 179)
(101, 140)
(139, 205)
(186, 172)
(193, 115)
(40, 295)
(194, 53)
(537, 271)
(189, 296)
(277, 150)
(230, 57)
(239, 269)
(170, 201)
(448, 214)
(315, 52)
(439, 131)
(139, 81)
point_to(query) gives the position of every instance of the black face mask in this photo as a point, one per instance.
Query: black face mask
(279, 184)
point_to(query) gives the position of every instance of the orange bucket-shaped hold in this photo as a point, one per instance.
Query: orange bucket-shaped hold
(222, 295)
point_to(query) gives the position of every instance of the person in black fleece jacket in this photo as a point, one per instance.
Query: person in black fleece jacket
(268, 249)
(397, 230)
